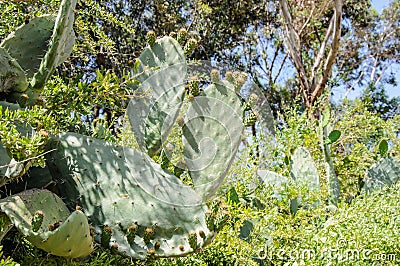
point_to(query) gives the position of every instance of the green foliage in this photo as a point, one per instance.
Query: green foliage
(358, 147)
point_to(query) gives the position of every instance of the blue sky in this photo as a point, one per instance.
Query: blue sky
(391, 90)
(380, 4)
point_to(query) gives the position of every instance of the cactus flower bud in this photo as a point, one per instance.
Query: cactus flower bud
(151, 38)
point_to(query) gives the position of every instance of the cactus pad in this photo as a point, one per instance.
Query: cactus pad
(142, 203)
(71, 239)
(28, 43)
(303, 169)
(385, 172)
(12, 76)
(211, 135)
(153, 112)
(61, 44)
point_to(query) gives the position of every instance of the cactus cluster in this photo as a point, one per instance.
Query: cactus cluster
(134, 206)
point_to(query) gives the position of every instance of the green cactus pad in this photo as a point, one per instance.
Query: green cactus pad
(61, 44)
(384, 173)
(28, 43)
(274, 181)
(71, 239)
(303, 169)
(121, 192)
(159, 97)
(211, 136)
(12, 76)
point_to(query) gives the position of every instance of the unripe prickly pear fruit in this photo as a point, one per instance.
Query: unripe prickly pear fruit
(214, 75)
(251, 101)
(172, 34)
(181, 36)
(251, 119)
(37, 221)
(151, 38)
(193, 240)
(210, 220)
(229, 77)
(148, 234)
(239, 78)
(131, 233)
(194, 86)
(180, 121)
(221, 220)
(106, 236)
(190, 46)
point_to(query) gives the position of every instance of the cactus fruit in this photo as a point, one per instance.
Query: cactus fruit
(251, 101)
(181, 36)
(12, 76)
(214, 75)
(120, 187)
(250, 119)
(192, 240)
(229, 77)
(131, 233)
(106, 234)
(151, 38)
(384, 173)
(71, 238)
(163, 69)
(194, 86)
(189, 47)
(148, 235)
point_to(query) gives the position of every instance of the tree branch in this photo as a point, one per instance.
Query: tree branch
(337, 28)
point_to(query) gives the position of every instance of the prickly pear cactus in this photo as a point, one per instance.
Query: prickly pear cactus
(211, 135)
(145, 210)
(29, 42)
(304, 172)
(46, 222)
(384, 173)
(61, 44)
(303, 169)
(12, 76)
(162, 71)
(273, 180)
